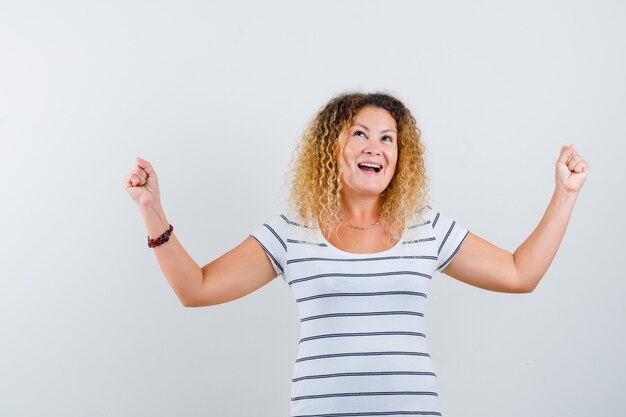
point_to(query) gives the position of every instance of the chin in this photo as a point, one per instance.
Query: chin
(373, 188)
(370, 191)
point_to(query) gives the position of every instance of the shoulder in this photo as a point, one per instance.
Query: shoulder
(287, 222)
(293, 219)
(422, 217)
(432, 215)
(432, 218)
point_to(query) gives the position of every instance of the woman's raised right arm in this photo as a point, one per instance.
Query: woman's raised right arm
(238, 272)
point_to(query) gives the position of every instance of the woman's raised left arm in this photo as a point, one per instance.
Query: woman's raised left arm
(484, 265)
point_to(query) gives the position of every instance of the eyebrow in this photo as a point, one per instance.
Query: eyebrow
(366, 128)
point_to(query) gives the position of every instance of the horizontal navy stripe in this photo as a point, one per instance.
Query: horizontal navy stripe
(269, 254)
(373, 313)
(362, 394)
(326, 336)
(446, 237)
(377, 274)
(346, 374)
(293, 223)
(418, 225)
(276, 234)
(361, 294)
(307, 243)
(374, 413)
(455, 251)
(340, 355)
(427, 239)
(378, 258)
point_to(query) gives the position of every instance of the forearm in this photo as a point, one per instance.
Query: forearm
(182, 272)
(534, 256)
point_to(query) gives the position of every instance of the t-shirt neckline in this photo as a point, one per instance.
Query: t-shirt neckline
(336, 249)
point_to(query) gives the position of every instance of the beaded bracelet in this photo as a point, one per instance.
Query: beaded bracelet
(161, 239)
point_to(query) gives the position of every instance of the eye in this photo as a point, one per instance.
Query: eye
(358, 133)
(388, 138)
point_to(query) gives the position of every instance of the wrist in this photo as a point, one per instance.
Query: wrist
(164, 237)
(565, 195)
(152, 209)
(155, 221)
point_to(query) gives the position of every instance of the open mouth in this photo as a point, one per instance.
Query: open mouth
(369, 167)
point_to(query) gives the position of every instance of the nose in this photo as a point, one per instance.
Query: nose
(372, 149)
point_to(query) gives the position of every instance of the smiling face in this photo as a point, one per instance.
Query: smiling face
(370, 153)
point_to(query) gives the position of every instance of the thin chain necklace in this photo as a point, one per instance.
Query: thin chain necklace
(359, 227)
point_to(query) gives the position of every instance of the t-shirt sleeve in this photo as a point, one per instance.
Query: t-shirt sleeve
(272, 236)
(450, 235)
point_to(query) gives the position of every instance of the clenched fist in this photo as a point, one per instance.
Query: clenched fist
(571, 170)
(142, 184)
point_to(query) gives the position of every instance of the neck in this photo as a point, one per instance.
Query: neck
(360, 210)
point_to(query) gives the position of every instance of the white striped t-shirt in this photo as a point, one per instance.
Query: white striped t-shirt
(362, 348)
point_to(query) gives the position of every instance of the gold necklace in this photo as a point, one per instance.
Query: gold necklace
(359, 227)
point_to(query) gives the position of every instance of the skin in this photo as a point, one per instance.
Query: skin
(372, 137)
(246, 268)
(484, 265)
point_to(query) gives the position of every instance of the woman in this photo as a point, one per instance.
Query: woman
(358, 247)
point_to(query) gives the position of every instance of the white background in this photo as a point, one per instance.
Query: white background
(215, 95)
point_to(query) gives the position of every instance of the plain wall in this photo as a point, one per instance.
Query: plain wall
(215, 95)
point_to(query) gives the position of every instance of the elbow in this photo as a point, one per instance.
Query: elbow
(194, 298)
(186, 303)
(191, 303)
(524, 284)
(531, 288)
(185, 300)
(527, 286)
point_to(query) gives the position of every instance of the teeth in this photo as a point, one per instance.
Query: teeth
(366, 164)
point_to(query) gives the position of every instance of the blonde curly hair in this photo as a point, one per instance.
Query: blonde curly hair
(315, 171)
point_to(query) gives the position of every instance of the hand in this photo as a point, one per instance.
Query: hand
(142, 184)
(571, 170)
